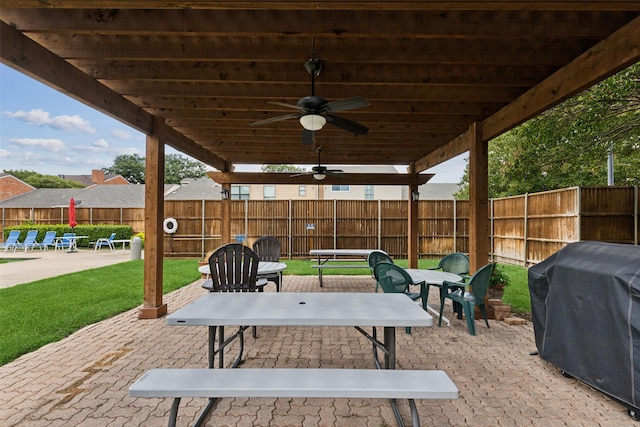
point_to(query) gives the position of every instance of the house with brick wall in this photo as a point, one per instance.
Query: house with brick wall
(10, 186)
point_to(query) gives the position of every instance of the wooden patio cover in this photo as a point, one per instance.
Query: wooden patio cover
(442, 78)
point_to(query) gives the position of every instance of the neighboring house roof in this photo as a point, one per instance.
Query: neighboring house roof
(438, 191)
(97, 177)
(10, 186)
(100, 196)
(194, 189)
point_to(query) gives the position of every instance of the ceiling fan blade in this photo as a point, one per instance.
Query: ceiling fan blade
(308, 137)
(284, 104)
(274, 119)
(335, 172)
(300, 174)
(346, 104)
(346, 124)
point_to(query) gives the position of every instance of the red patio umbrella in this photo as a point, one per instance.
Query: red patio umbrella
(72, 213)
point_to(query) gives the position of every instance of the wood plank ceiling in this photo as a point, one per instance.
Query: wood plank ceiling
(209, 68)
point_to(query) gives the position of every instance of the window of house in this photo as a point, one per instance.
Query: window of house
(368, 192)
(269, 192)
(302, 190)
(341, 188)
(239, 192)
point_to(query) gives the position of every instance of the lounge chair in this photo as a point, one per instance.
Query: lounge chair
(29, 241)
(66, 242)
(104, 241)
(49, 240)
(12, 240)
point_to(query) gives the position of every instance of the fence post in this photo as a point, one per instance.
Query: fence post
(246, 218)
(579, 198)
(636, 218)
(335, 224)
(379, 224)
(202, 230)
(455, 226)
(526, 229)
(289, 226)
(492, 230)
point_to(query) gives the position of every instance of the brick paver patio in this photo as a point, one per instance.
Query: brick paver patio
(83, 380)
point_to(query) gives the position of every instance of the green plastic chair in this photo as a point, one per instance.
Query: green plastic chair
(456, 263)
(394, 279)
(374, 258)
(455, 291)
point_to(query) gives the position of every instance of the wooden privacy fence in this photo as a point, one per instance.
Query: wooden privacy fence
(524, 229)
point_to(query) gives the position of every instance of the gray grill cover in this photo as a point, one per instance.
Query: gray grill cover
(585, 304)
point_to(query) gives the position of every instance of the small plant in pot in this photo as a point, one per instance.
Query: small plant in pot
(498, 281)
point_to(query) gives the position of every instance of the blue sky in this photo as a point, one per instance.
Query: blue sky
(48, 132)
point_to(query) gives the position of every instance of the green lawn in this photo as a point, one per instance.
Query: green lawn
(37, 313)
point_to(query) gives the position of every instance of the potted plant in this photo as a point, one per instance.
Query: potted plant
(498, 281)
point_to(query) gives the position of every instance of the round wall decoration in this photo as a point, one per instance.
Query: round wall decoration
(170, 225)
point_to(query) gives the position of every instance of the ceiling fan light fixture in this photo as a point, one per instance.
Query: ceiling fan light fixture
(312, 121)
(319, 176)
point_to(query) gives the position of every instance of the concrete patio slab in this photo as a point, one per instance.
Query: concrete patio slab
(43, 264)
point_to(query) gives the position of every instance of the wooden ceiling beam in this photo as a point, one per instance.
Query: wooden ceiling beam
(292, 50)
(560, 5)
(361, 116)
(346, 178)
(268, 72)
(326, 23)
(414, 127)
(194, 104)
(273, 92)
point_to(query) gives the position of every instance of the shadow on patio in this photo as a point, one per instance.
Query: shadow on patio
(84, 379)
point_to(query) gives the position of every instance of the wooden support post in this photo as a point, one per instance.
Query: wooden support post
(478, 199)
(152, 306)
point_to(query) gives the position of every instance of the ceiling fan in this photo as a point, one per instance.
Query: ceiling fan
(320, 172)
(314, 112)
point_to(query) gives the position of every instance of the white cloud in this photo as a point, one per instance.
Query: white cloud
(129, 151)
(4, 153)
(121, 134)
(97, 146)
(40, 117)
(48, 144)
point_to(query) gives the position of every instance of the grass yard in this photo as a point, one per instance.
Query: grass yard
(37, 313)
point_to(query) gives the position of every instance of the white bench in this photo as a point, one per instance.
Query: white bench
(309, 383)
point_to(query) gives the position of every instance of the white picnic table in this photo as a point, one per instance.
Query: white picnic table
(344, 258)
(219, 309)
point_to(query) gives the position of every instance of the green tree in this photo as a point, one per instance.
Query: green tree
(177, 167)
(130, 166)
(281, 168)
(568, 145)
(39, 180)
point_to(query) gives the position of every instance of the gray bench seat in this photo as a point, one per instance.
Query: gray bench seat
(288, 383)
